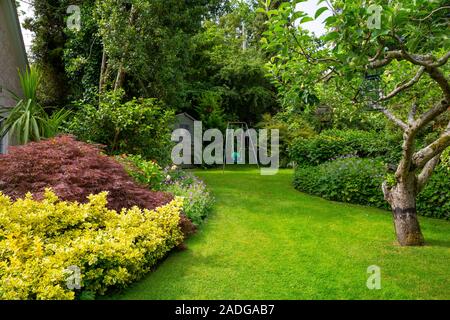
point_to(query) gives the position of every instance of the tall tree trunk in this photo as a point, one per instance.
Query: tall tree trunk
(402, 198)
(120, 78)
(102, 81)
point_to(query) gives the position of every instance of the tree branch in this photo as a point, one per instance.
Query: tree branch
(388, 57)
(309, 57)
(394, 119)
(328, 74)
(432, 12)
(405, 86)
(412, 113)
(404, 166)
(420, 60)
(421, 158)
(386, 192)
(377, 55)
(441, 80)
(442, 61)
(427, 171)
(430, 115)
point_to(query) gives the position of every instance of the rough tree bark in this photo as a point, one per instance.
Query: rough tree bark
(402, 198)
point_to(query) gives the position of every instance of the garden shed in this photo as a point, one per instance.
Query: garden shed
(186, 121)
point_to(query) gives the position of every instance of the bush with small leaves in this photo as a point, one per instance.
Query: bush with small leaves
(198, 200)
(351, 180)
(41, 240)
(333, 144)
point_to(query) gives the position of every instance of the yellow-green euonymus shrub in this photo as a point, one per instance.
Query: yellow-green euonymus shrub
(42, 242)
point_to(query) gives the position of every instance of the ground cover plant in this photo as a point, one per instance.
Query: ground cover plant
(197, 199)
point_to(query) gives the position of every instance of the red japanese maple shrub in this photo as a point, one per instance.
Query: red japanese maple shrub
(74, 170)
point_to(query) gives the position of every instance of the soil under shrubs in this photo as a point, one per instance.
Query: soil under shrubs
(74, 170)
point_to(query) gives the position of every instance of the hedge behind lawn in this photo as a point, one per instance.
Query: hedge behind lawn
(346, 180)
(359, 181)
(332, 144)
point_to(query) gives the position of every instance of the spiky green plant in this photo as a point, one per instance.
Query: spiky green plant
(27, 120)
(53, 123)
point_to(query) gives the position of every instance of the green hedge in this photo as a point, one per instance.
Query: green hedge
(347, 180)
(332, 144)
(434, 200)
(359, 181)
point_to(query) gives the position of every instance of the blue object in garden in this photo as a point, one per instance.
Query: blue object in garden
(236, 156)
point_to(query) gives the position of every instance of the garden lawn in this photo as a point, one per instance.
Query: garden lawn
(266, 240)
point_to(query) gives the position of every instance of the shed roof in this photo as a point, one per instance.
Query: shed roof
(187, 115)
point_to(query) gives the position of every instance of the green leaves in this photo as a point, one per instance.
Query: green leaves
(351, 180)
(53, 123)
(331, 36)
(29, 82)
(138, 126)
(320, 11)
(330, 20)
(306, 19)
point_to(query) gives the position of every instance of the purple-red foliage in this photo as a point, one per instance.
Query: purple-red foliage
(74, 170)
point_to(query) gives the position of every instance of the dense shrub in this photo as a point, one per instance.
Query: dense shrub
(434, 200)
(74, 170)
(145, 172)
(332, 144)
(198, 201)
(41, 241)
(348, 180)
(139, 126)
(359, 181)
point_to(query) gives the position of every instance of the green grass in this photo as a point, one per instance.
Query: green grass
(268, 241)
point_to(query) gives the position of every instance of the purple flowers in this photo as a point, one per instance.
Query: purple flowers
(198, 201)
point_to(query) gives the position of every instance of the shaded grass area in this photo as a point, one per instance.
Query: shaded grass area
(268, 241)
